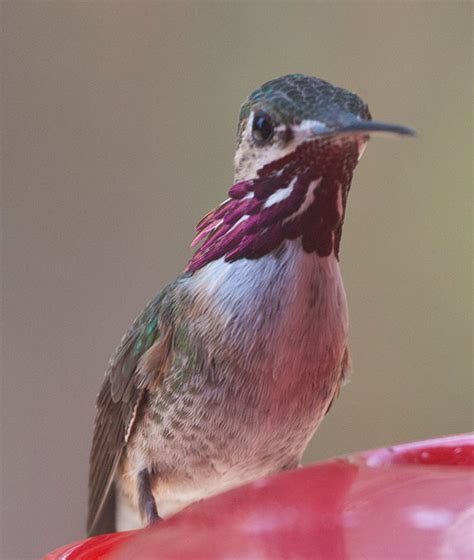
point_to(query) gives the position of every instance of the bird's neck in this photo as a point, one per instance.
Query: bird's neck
(300, 196)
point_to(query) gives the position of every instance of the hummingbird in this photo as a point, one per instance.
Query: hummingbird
(229, 370)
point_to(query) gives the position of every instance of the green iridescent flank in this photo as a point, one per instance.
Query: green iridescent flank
(182, 366)
(147, 337)
(151, 332)
(294, 98)
(181, 339)
(137, 351)
(145, 330)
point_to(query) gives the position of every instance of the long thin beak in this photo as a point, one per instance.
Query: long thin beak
(363, 127)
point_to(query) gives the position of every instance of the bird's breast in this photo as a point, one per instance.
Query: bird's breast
(281, 321)
(264, 344)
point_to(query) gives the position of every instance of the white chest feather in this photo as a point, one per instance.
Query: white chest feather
(288, 312)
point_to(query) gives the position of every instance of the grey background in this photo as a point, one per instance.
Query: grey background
(118, 134)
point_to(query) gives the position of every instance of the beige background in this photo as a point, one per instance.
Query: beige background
(118, 135)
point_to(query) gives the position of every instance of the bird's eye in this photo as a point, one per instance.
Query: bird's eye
(262, 128)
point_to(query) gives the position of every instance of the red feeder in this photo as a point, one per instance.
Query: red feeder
(407, 501)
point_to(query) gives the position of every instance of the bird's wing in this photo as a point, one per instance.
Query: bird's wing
(139, 363)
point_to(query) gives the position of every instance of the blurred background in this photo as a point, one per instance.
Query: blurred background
(118, 135)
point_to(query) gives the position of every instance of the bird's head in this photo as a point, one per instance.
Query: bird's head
(299, 141)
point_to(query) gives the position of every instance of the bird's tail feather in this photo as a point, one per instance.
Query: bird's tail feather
(106, 520)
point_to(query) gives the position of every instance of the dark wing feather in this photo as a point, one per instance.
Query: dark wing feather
(139, 362)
